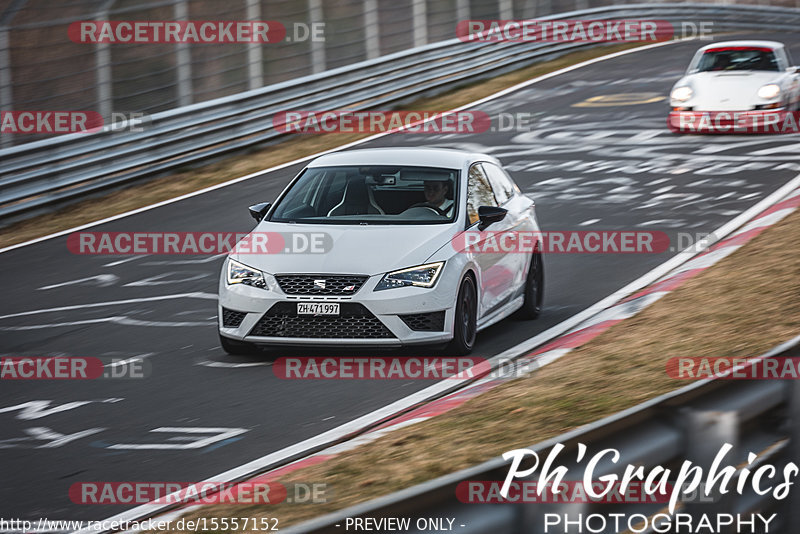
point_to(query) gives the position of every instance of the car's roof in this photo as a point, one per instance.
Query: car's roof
(764, 44)
(424, 157)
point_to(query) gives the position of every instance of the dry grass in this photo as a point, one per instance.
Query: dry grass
(293, 148)
(750, 303)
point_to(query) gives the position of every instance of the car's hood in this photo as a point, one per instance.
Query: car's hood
(727, 90)
(351, 249)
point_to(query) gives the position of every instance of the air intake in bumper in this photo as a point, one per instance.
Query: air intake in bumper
(353, 322)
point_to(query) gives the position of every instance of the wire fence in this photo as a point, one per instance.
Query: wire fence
(41, 68)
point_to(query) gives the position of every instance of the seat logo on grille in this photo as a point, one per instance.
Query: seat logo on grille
(319, 283)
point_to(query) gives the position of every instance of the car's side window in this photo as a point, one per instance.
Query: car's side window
(779, 59)
(783, 58)
(503, 187)
(479, 192)
(789, 60)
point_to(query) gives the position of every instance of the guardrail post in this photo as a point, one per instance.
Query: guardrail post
(506, 8)
(462, 10)
(105, 96)
(707, 431)
(420, 16)
(6, 94)
(6, 87)
(372, 41)
(255, 69)
(316, 15)
(184, 59)
(103, 75)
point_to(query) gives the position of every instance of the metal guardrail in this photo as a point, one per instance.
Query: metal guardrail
(35, 177)
(692, 423)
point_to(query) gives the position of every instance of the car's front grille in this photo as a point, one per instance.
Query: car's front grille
(232, 318)
(353, 321)
(425, 322)
(320, 284)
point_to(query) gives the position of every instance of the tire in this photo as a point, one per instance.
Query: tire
(237, 348)
(534, 289)
(466, 319)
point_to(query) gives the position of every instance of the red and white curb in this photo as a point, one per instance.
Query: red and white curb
(628, 306)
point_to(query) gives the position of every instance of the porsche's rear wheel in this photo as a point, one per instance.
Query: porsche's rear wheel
(466, 320)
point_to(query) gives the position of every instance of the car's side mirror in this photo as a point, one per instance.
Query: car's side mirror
(489, 215)
(792, 70)
(259, 211)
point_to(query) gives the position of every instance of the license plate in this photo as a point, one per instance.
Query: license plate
(317, 308)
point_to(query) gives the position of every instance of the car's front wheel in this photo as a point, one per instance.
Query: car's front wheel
(466, 320)
(534, 289)
(237, 348)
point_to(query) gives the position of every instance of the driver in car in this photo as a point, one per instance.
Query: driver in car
(436, 196)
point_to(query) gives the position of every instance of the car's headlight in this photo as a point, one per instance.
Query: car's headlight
(682, 94)
(242, 274)
(769, 91)
(420, 276)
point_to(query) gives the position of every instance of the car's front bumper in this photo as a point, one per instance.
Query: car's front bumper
(385, 306)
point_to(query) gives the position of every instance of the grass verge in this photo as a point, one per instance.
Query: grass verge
(750, 304)
(187, 181)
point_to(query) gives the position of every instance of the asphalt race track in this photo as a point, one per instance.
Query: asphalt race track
(589, 167)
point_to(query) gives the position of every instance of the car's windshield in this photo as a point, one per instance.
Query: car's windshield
(370, 195)
(736, 58)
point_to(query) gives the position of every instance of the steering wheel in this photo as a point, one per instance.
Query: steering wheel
(430, 206)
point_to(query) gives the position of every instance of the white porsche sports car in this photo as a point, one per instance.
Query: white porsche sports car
(396, 272)
(738, 76)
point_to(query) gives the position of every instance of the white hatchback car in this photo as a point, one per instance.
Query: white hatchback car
(394, 273)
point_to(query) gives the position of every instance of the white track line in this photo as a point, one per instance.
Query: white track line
(193, 295)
